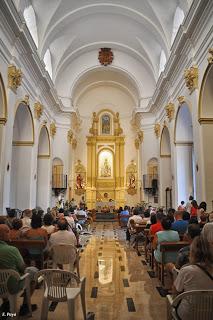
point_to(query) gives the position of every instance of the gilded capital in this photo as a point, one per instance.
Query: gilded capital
(69, 136)
(157, 130)
(52, 129)
(210, 58)
(14, 77)
(191, 78)
(38, 110)
(170, 110)
(181, 99)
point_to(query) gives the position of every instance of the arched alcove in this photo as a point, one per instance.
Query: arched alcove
(21, 161)
(43, 169)
(205, 113)
(184, 153)
(165, 169)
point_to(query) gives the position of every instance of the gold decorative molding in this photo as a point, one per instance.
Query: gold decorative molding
(205, 120)
(170, 111)
(43, 156)
(52, 129)
(3, 120)
(38, 110)
(74, 143)
(3, 113)
(191, 78)
(184, 143)
(181, 99)
(210, 58)
(157, 130)
(69, 136)
(22, 143)
(14, 77)
(165, 155)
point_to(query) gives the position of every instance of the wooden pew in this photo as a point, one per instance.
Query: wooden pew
(166, 247)
(24, 246)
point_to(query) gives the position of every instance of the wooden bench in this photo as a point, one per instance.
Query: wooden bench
(24, 246)
(166, 247)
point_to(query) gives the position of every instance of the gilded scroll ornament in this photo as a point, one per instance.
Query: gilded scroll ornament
(191, 78)
(94, 129)
(181, 99)
(69, 136)
(137, 143)
(210, 58)
(157, 130)
(52, 129)
(14, 77)
(140, 136)
(38, 110)
(170, 111)
(74, 143)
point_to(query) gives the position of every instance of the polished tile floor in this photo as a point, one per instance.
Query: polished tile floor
(118, 286)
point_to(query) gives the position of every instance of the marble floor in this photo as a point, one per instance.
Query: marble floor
(118, 285)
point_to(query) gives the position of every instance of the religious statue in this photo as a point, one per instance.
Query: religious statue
(79, 182)
(106, 169)
(132, 181)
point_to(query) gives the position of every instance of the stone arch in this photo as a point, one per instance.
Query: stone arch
(185, 164)
(43, 169)
(165, 169)
(21, 160)
(205, 117)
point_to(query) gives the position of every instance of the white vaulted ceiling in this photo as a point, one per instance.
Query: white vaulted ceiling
(75, 30)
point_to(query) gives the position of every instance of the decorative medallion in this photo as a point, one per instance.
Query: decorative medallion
(52, 129)
(170, 110)
(157, 130)
(210, 58)
(14, 77)
(38, 110)
(191, 78)
(105, 56)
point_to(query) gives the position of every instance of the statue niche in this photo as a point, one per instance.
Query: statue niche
(131, 176)
(80, 178)
(105, 164)
(105, 124)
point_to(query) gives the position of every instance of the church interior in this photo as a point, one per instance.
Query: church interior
(106, 113)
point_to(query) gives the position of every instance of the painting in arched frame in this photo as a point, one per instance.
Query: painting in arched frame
(105, 124)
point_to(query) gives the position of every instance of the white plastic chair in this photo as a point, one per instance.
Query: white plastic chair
(62, 286)
(5, 274)
(200, 303)
(65, 254)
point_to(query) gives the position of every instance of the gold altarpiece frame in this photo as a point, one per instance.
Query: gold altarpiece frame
(106, 183)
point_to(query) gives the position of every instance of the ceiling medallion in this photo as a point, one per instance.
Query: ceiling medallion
(105, 56)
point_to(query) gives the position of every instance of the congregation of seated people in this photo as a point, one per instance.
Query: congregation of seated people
(57, 226)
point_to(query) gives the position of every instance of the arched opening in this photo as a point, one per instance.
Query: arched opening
(178, 19)
(184, 154)
(48, 63)
(21, 162)
(3, 119)
(150, 181)
(43, 170)
(206, 121)
(162, 62)
(165, 169)
(30, 18)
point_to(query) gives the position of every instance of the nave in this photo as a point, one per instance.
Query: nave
(117, 283)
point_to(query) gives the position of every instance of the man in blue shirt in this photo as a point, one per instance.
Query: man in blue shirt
(179, 224)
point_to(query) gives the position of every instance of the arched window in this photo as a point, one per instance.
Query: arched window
(162, 61)
(178, 19)
(30, 18)
(48, 62)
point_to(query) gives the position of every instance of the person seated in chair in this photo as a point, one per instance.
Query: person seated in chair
(16, 231)
(63, 235)
(179, 224)
(196, 276)
(10, 258)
